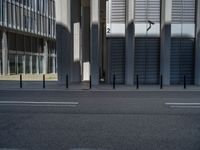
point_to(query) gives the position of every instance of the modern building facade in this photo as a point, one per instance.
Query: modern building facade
(28, 37)
(129, 38)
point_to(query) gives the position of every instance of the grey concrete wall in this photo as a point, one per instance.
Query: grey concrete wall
(130, 43)
(4, 53)
(68, 17)
(197, 46)
(94, 40)
(64, 36)
(166, 10)
(75, 28)
(85, 45)
(45, 59)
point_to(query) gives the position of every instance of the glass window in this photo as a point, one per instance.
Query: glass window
(28, 64)
(12, 64)
(20, 64)
(34, 64)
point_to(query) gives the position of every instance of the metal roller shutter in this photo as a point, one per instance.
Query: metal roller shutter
(183, 11)
(182, 60)
(147, 60)
(147, 46)
(118, 14)
(182, 46)
(147, 10)
(117, 59)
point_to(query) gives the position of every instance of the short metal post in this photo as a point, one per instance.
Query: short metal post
(161, 82)
(90, 82)
(185, 84)
(114, 81)
(137, 81)
(21, 86)
(67, 81)
(44, 84)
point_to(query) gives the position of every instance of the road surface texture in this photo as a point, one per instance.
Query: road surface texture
(64, 120)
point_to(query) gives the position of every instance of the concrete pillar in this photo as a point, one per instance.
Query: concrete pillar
(166, 18)
(94, 40)
(0, 67)
(85, 55)
(197, 46)
(37, 64)
(64, 38)
(45, 58)
(16, 64)
(54, 65)
(4, 53)
(31, 64)
(130, 43)
(24, 64)
(76, 36)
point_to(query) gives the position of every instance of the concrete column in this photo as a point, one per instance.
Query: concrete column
(130, 43)
(24, 64)
(0, 67)
(64, 38)
(76, 36)
(94, 40)
(45, 58)
(54, 65)
(37, 64)
(16, 64)
(85, 25)
(197, 46)
(166, 13)
(4, 53)
(31, 64)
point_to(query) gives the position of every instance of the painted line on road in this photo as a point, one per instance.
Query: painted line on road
(38, 104)
(26, 105)
(183, 105)
(25, 102)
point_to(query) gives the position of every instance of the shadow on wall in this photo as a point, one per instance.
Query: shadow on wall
(66, 64)
(63, 46)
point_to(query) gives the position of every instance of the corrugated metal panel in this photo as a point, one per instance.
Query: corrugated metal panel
(182, 60)
(118, 13)
(147, 10)
(147, 60)
(183, 11)
(117, 59)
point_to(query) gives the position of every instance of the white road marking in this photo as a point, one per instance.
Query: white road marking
(38, 104)
(183, 105)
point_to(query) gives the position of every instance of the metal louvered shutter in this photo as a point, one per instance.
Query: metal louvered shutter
(182, 60)
(147, 60)
(147, 10)
(118, 14)
(183, 11)
(117, 59)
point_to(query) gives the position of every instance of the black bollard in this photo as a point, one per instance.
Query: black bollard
(67, 81)
(137, 81)
(114, 81)
(21, 86)
(90, 82)
(161, 82)
(44, 84)
(185, 82)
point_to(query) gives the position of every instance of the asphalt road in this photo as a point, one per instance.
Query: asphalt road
(53, 120)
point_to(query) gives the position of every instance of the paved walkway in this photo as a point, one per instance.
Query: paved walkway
(29, 77)
(55, 85)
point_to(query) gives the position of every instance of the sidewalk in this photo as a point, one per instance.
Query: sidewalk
(55, 85)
